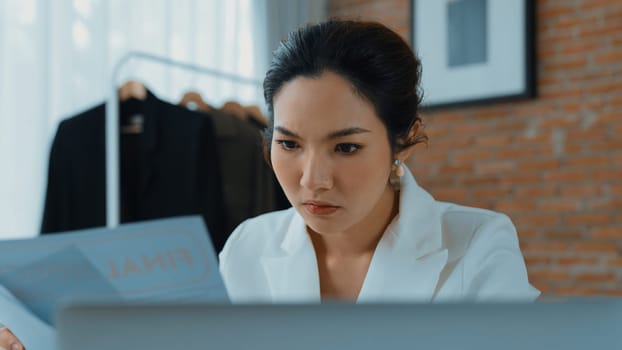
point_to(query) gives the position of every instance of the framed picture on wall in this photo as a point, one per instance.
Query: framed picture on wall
(474, 51)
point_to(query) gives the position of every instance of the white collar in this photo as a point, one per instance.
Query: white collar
(405, 266)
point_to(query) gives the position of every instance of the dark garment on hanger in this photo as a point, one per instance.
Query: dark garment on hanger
(280, 200)
(249, 185)
(170, 169)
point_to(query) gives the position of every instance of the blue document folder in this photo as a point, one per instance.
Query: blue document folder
(163, 260)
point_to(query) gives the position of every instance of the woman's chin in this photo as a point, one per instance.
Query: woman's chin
(325, 226)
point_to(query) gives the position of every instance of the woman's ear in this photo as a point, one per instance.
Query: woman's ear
(414, 136)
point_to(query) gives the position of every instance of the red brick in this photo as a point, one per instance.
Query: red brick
(544, 247)
(614, 261)
(481, 203)
(606, 233)
(577, 260)
(520, 179)
(559, 205)
(578, 47)
(567, 175)
(518, 153)
(566, 63)
(611, 292)
(537, 260)
(430, 157)
(492, 192)
(606, 145)
(600, 247)
(563, 234)
(547, 40)
(511, 206)
(592, 161)
(456, 169)
(562, 93)
(535, 109)
(576, 291)
(596, 277)
(553, 12)
(549, 80)
(538, 219)
(567, 121)
(437, 182)
(494, 167)
(548, 275)
(493, 140)
(586, 190)
(587, 219)
(602, 32)
(451, 194)
(607, 175)
(539, 164)
(471, 156)
(592, 133)
(524, 234)
(481, 180)
(574, 147)
(536, 192)
(590, 5)
(447, 116)
(605, 119)
(602, 88)
(475, 128)
(490, 112)
(604, 204)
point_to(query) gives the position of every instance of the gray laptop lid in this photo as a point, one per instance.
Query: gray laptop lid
(568, 326)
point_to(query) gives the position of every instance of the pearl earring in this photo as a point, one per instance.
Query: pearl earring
(399, 168)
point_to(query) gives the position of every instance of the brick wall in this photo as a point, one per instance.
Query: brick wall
(553, 164)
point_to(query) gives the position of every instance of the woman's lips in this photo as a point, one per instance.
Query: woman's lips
(320, 208)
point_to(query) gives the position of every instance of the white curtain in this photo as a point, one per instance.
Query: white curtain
(58, 56)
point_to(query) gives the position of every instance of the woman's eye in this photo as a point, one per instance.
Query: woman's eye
(287, 145)
(347, 148)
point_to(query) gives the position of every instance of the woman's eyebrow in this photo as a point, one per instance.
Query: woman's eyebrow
(346, 132)
(331, 136)
(286, 132)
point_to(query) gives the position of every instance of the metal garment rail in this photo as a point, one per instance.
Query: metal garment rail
(112, 122)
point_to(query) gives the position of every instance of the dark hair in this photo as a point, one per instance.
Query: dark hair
(377, 61)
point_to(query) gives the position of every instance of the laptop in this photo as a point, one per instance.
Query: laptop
(559, 325)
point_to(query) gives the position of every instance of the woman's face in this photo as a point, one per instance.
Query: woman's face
(331, 154)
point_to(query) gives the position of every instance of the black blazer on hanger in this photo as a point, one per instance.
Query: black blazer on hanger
(170, 169)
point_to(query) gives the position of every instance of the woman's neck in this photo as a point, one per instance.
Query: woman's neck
(363, 237)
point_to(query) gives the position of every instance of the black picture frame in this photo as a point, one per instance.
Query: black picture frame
(493, 80)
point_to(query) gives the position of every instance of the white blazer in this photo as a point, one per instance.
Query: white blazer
(431, 251)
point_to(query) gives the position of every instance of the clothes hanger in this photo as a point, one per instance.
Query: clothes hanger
(245, 112)
(193, 100)
(235, 109)
(254, 112)
(132, 89)
(133, 93)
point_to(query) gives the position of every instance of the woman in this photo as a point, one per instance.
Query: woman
(343, 96)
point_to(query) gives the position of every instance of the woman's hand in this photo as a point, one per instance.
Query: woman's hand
(8, 341)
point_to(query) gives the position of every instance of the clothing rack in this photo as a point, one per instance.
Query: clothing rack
(112, 122)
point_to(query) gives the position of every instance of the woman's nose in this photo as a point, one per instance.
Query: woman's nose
(316, 174)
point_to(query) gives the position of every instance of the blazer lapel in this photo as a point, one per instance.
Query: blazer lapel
(410, 256)
(292, 272)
